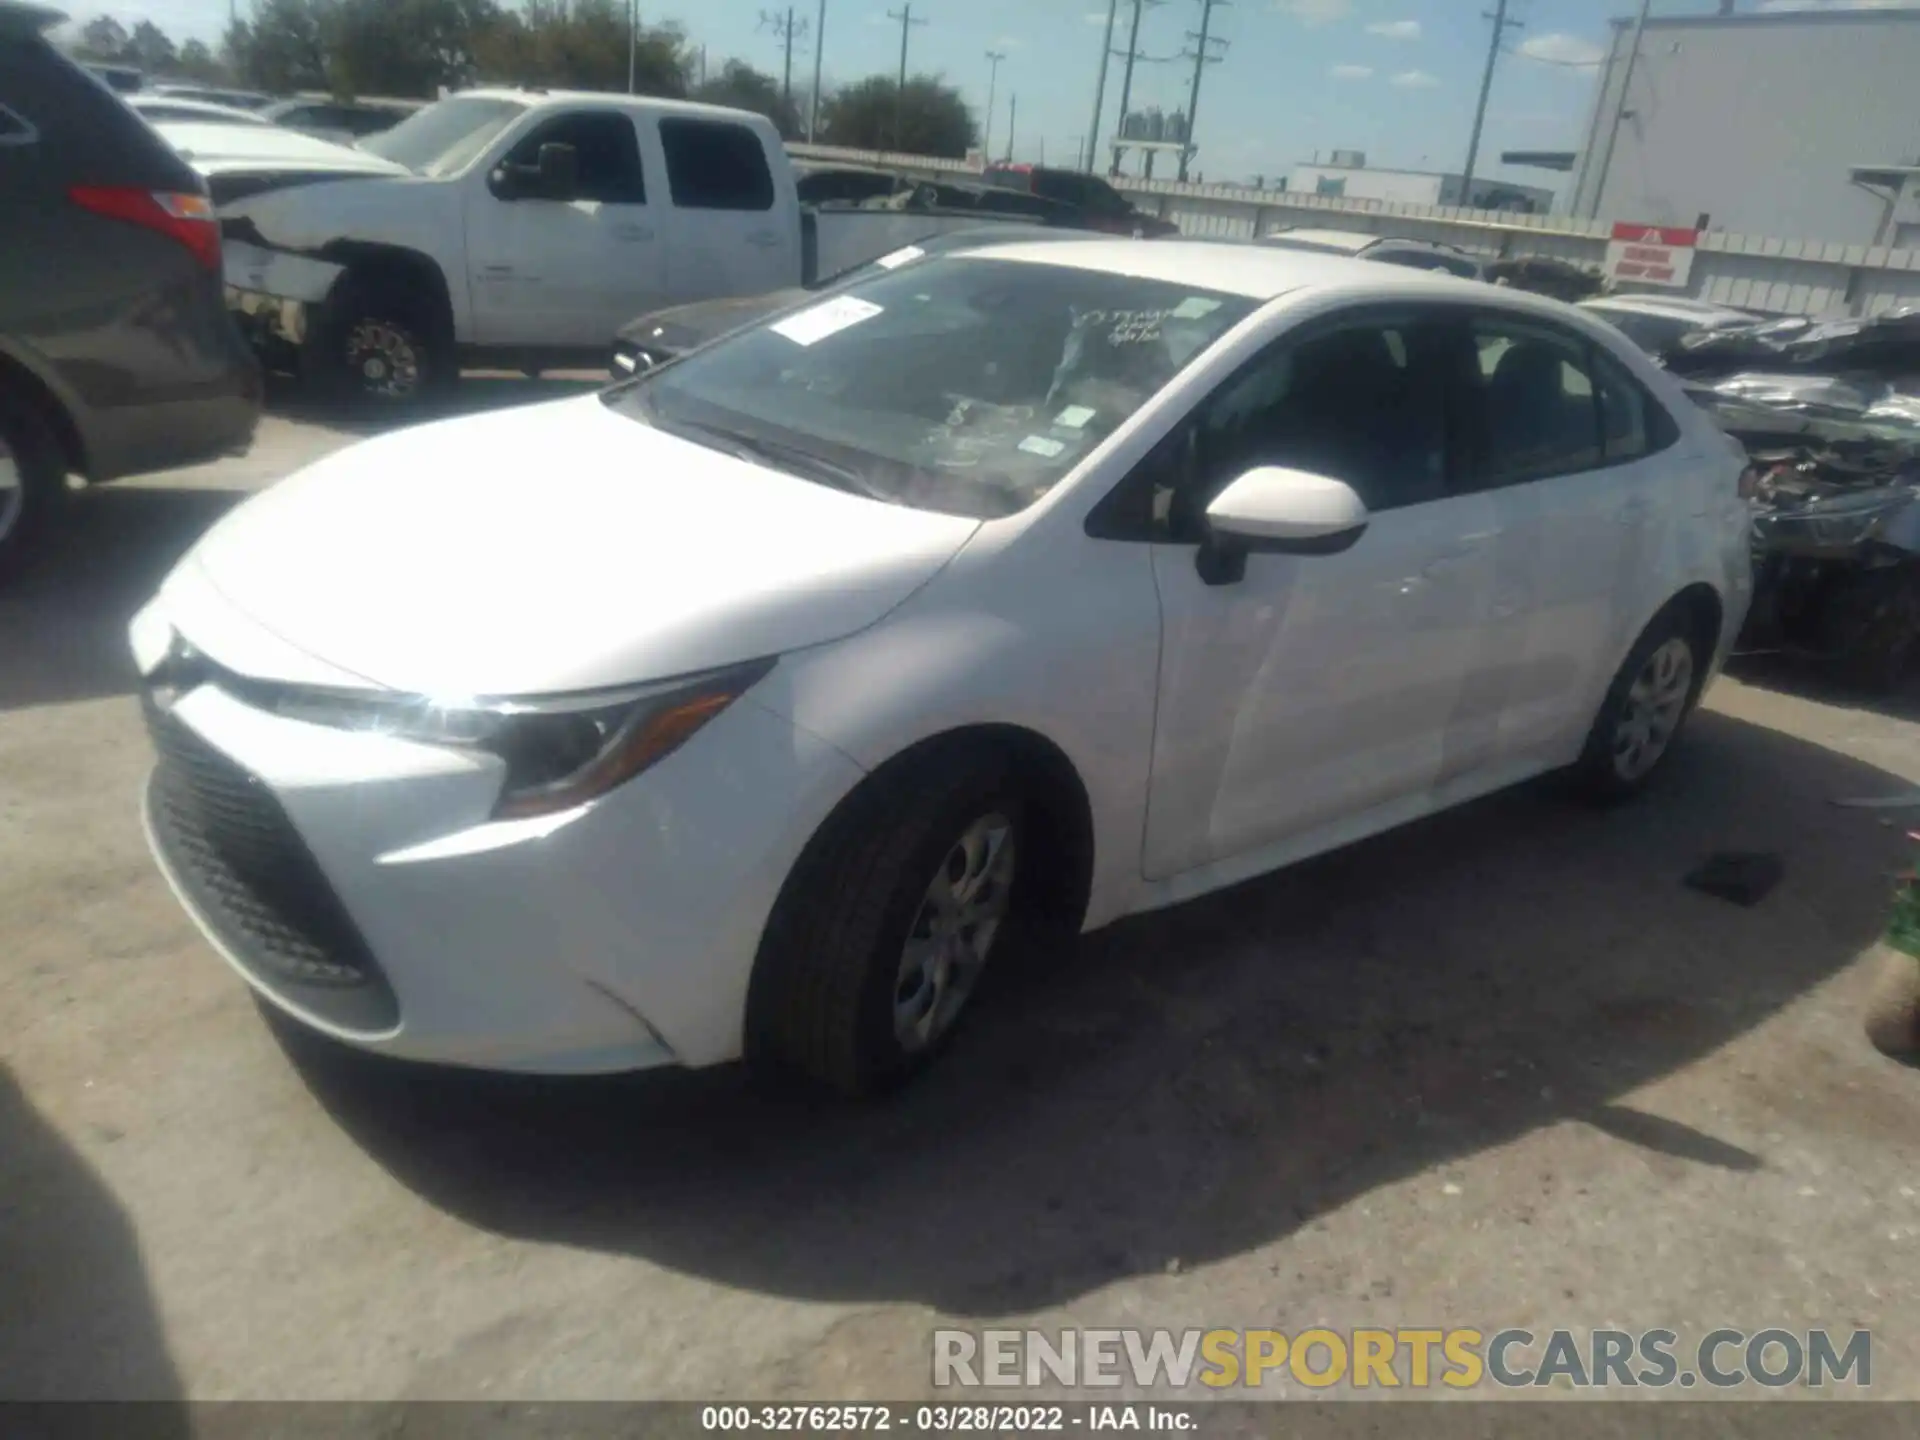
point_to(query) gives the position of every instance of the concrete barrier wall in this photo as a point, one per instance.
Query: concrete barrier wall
(1754, 272)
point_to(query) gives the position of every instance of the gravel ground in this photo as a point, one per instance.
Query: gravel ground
(1498, 1069)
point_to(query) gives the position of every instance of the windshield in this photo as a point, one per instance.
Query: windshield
(962, 383)
(445, 137)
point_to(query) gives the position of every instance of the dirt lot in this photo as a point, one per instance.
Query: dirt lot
(1498, 1069)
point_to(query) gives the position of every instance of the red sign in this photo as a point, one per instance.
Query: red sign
(1651, 254)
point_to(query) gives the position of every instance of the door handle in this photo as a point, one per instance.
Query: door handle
(632, 232)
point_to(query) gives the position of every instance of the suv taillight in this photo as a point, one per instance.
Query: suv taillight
(186, 218)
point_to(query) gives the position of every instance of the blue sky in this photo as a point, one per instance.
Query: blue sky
(1395, 78)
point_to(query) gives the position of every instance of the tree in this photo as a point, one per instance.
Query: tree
(105, 38)
(740, 85)
(282, 50)
(150, 49)
(196, 62)
(403, 47)
(582, 45)
(928, 118)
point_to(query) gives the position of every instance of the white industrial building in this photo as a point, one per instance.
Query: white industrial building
(1802, 124)
(1346, 173)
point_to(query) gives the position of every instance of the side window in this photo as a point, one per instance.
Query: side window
(715, 165)
(1632, 423)
(14, 130)
(1537, 413)
(609, 154)
(1363, 402)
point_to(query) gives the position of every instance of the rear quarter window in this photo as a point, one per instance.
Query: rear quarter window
(715, 165)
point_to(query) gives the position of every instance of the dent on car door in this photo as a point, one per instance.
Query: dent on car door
(1316, 690)
(1559, 433)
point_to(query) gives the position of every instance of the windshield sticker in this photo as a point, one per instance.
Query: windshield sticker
(830, 318)
(1075, 416)
(899, 257)
(1042, 446)
(1194, 307)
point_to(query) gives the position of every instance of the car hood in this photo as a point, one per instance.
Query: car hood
(555, 548)
(682, 327)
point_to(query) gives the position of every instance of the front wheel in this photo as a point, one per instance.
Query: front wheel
(379, 350)
(1643, 712)
(886, 925)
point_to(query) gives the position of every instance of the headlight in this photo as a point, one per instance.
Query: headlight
(559, 752)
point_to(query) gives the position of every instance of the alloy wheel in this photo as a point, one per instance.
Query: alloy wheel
(384, 359)
(953, 932)
(1656, 702)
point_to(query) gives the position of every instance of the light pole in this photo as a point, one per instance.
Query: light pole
(1100, 88)
(819, 45)
(994, 57)
(633, 38)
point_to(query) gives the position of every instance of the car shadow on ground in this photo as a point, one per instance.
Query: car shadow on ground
(78, 1317)
(1820, 679)
(63, 621)
(1196, 1083)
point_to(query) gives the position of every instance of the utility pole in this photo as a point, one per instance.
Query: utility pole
(905, 16)
(1500, 27)
(994, 57)
(1013, 114)
(1126, 79)
(633, 40)
(1200, 62)
(819, 44)
(785, 29)
(1100, 89)
(1619, 109)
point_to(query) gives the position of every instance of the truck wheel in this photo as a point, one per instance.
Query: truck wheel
(32, 477)
(380, 348)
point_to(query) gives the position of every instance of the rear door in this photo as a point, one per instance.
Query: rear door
(736, 229)
(568, 272)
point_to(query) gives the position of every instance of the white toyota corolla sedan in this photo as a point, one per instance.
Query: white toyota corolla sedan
(753, 707)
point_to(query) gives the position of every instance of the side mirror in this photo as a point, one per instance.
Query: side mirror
(554, 176)
(1275, 510)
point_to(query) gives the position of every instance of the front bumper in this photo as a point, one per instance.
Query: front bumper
(358, 882)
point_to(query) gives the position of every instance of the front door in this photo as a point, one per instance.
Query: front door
(1316, 689)
(568, 272)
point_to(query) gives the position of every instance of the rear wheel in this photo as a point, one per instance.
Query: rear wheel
(1643, 712)
(887, 923)
(32, 475)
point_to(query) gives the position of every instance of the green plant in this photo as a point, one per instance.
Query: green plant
(1903, 925)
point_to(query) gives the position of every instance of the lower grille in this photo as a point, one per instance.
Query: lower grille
(233, 849)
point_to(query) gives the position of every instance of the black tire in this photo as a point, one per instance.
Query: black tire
(1598, 774)
(35, 482)
(822, 1000)
(380, 347)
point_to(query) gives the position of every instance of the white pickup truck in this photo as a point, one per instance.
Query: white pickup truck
(518, 229)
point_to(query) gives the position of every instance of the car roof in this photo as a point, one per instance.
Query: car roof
(1678, 307)
(1353, 241)
(214, 149)
(692, 108)
(189, 109)
(1257, 272)
(16, 17)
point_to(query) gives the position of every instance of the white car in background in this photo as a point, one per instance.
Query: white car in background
(158, 109)
(1657, 323)
(753, 706)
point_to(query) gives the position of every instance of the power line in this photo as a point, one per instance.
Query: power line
(1501, 24)
(786, 30)
(994, 57)
(1201, 59)
(905, 16)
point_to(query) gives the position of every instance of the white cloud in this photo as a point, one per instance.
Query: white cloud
(1415, 80)
(1395, 29)
(1559, 48)
(1315, 12)
(1351, 72)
